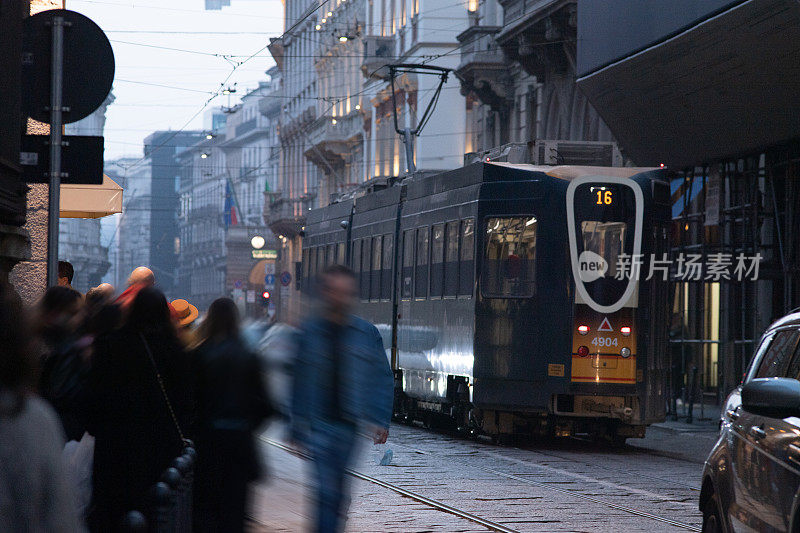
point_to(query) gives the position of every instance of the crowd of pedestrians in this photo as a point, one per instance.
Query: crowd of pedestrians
(100, 392)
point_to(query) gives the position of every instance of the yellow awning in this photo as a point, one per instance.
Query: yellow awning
(91, 201)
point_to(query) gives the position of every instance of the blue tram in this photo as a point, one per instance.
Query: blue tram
(496, 288)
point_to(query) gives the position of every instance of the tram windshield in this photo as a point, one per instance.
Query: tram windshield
(606, 239)
(509, 269)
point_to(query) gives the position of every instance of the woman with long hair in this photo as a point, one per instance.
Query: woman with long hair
(35, 494)
(139, 404)
(232, 402)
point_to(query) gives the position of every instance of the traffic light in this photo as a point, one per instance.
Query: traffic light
(265, 298)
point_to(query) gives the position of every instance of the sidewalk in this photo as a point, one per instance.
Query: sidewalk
(679, 439)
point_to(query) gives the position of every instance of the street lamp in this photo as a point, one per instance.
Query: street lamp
(257, 242)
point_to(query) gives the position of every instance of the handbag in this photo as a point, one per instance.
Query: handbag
(186, 442)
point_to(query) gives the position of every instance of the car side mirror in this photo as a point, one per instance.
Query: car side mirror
(773, 397)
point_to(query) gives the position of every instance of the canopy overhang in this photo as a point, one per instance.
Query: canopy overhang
(91, 201)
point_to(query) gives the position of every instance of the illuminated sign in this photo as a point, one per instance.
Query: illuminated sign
(265, 254)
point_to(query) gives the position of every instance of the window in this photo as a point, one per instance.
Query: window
(437, 260)
(776, 359)
(421, 274)
(467, 263)
(386, 278)
(329, 257)
(305, 268)
(375, 285)
(509, 269)
(451, 259)
(340, 253)
(406, 283)
(356, 261)
(607, 239)
(366, 274)
(312, 265)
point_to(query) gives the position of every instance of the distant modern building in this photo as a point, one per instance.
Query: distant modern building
(148, 228)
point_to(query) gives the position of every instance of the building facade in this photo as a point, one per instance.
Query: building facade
(728, 122)
(224, 178)
(517, 71)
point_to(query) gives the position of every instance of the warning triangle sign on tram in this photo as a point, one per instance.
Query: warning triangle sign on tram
(605, 325)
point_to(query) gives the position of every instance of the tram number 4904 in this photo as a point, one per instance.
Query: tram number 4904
(605, 341)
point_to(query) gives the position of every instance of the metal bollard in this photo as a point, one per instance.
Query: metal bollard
(163, 498)
(692, 386)
(134, 522)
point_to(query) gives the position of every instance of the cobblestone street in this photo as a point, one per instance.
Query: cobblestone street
(568, 485)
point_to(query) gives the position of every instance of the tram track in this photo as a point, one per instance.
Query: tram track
(435, 504)
(576, 494)
(491, 525)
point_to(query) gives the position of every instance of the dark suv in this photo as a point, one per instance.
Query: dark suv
(751, 480)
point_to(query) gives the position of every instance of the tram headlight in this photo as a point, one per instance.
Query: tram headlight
(583, 351)
(625, 352)
(583, 329)
(625, 330)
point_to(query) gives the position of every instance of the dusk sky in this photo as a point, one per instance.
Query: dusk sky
(158, 88)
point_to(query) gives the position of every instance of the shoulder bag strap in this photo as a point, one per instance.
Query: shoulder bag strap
(163, 390)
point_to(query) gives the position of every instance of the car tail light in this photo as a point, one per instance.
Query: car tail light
(583, 329)
(583, 351)
(625, 330)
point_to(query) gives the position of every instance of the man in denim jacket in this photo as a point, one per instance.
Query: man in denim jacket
(343, 386)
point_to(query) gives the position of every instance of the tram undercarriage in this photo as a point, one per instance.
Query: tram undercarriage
(609, 419)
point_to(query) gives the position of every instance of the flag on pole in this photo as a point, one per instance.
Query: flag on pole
(231, 206)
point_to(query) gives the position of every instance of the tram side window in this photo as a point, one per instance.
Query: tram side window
(312, 265)
(386, 278)
(407, 280)
(437, 260)
(421, 275)
(356, 261)
(509, 269)
(329, 257)
(340, 253)
(467, 262)
(451, 259)
(305, 269)
(375, 285)
(366, 246)
(776, 360)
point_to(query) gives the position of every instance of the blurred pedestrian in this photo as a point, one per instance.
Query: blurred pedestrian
(35, 494)
(141, 278)
(65, 274)
(185, 315)
(102, 315)
(343, 385)
(232, 402)
(64, 361)
(138, 407)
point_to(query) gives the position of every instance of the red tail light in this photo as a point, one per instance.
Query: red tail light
(583, 351)
(583, 330)
(625, 330)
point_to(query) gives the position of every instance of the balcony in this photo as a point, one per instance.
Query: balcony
(247, 126)
(332, 143)
(378, 52)
(484, 69)
(285, 216)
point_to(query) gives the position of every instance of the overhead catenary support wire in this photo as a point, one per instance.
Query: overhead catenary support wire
(407, 134)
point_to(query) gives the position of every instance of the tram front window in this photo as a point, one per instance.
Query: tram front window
(509, 269)
(606, 239)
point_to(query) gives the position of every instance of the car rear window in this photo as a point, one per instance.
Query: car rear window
(776, 360)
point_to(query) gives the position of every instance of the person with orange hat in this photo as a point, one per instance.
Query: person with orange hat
(184, 316)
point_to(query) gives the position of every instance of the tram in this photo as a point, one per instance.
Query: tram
(499, 292)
